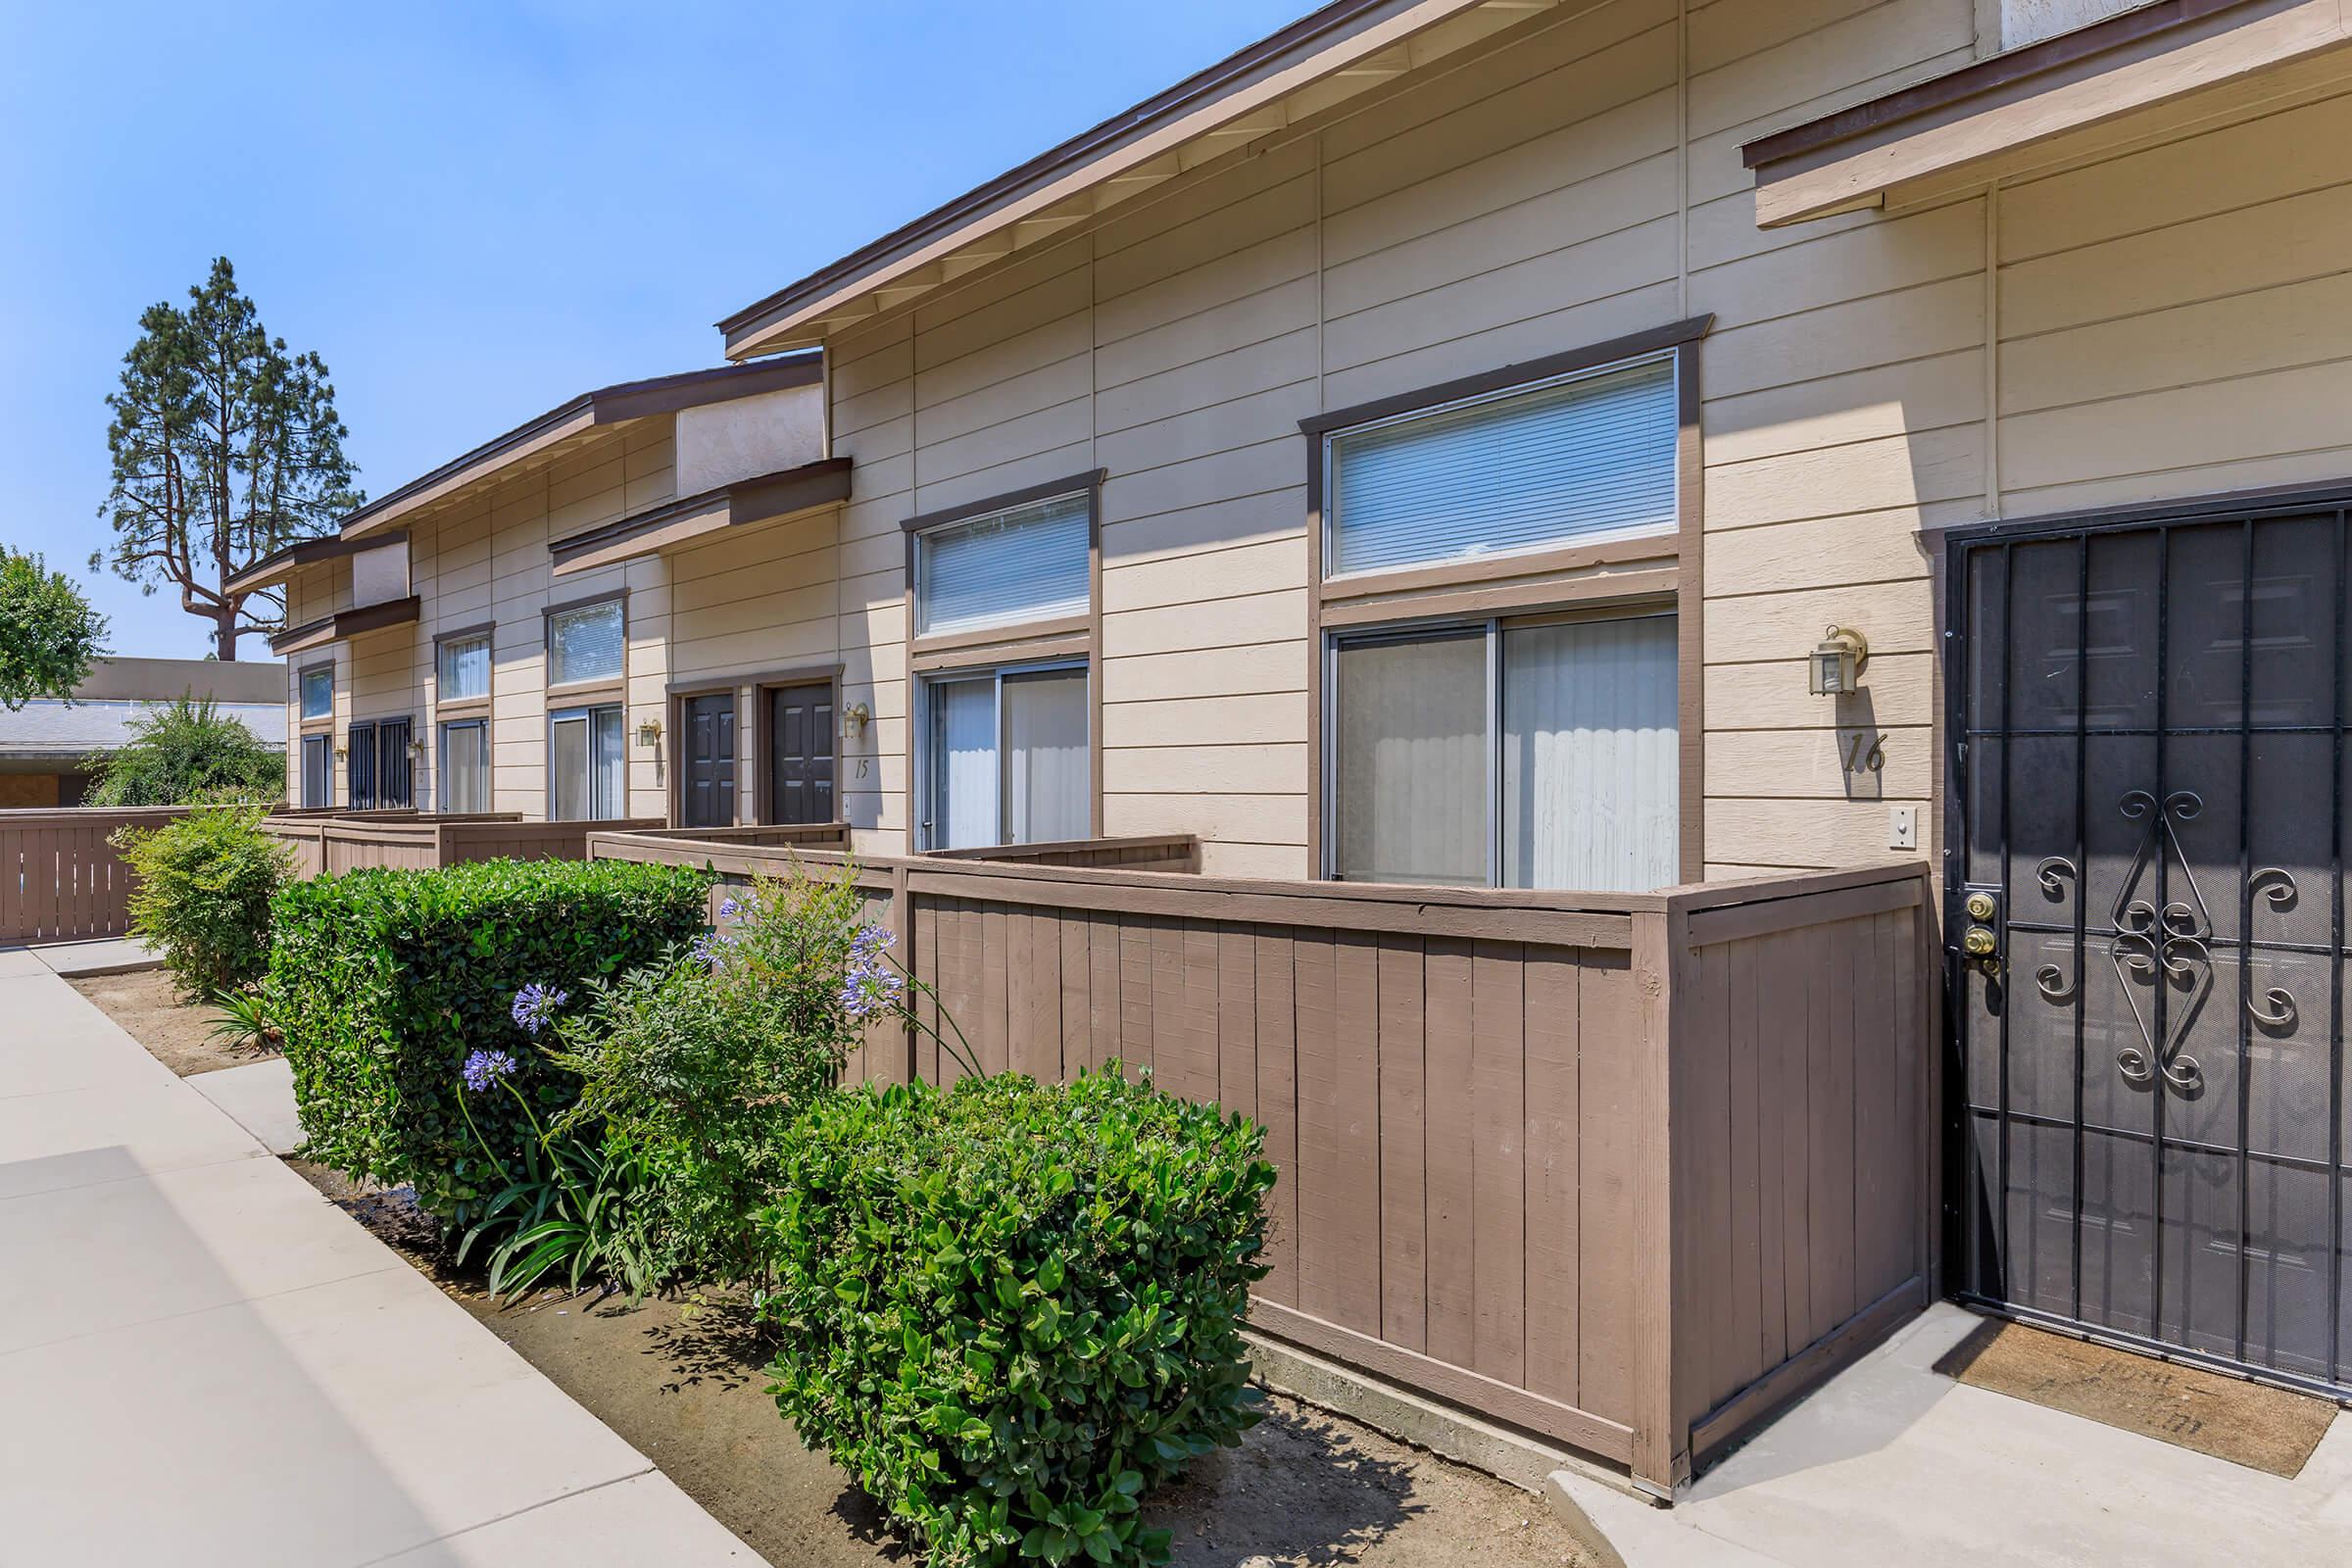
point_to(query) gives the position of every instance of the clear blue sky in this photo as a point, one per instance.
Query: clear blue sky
(475, 211)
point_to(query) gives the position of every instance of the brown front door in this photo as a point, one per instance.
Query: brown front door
(707, 786)
(800, 752)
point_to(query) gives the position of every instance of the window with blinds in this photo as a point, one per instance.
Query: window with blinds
(584, 643)
(1027, 563)
(465, 668)
(1575, 460)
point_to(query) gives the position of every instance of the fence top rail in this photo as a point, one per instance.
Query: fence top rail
(82, 815)
(1016, 852)
(738, 859)
(1706, 912)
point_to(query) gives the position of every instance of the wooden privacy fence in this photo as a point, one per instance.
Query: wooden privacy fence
(60, 879)
(1627, 1171)
(420, 840)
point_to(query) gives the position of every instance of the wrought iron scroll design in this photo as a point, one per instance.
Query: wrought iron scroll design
(2174, 943)
(2275, 885)
(2049, 979)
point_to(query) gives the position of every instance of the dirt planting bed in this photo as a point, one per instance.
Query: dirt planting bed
(683, 1381)
(175, 1033)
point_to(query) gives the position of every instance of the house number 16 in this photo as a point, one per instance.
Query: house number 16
(1872, 760)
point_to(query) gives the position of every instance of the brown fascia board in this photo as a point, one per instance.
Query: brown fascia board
(1986, 76)
(346, 623)
(626, 400)
(746, 501)
(1277, 51)
(279, 564)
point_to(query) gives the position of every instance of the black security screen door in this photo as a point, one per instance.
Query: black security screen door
(2148, 787)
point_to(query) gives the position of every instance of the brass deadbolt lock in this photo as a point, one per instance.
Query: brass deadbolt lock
(1978, 941)
(1981, 907)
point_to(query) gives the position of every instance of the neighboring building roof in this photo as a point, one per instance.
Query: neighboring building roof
(48, 729)
(163, 679)
(1333, 55)
(612, 404)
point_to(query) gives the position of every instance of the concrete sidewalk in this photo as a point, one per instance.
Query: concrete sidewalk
(1891, 1462)
(203, 1361)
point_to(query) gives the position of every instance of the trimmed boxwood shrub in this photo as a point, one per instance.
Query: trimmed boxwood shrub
(384, 982)
(1009, 1308)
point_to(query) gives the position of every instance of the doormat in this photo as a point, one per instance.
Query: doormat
(2245, 1423)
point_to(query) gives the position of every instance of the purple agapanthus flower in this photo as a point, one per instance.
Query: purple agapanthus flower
(486, 1067)
(870, 984)
(712, 947)
(728, 908)
(535, 1007)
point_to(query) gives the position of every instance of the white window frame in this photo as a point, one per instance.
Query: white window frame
(585, 713)
(1332, 439)
(1491, 630)
(925, 785)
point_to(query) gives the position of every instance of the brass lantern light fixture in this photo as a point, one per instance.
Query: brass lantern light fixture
(854, 719)
(1835, 668)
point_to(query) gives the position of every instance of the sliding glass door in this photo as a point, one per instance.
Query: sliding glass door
(586, 769)
(1008, 759)
(1543, 754)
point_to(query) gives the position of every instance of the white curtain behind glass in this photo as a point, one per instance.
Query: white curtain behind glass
(1591, 757)
(1046, 779)
(1412, 761)
(963, 763)
(465, 768)
(569, 737)
(611, 766)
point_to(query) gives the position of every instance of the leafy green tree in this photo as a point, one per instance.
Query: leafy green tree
(48, 632)
(184, 753)
(226, 447)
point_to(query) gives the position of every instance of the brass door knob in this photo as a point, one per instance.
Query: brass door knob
(1980, 906)
(1977, 942)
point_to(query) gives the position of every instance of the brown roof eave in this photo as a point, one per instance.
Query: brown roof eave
(281, 563)
(757, 499)
(346, 623)
(1984, 76)
(1268, 54)
(612, 404)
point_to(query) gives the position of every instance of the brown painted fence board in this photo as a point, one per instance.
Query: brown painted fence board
(61, 878)
(1632, 1173)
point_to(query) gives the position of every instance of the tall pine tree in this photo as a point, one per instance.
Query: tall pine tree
(225, 448)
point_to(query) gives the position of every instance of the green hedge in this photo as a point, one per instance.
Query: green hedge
(202, 897)
(384, 982)
(1009, 1308)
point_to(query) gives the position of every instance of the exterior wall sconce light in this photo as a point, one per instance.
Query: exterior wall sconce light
(1835, 666)
(649, 732)
(342, 750)
(854, 719)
